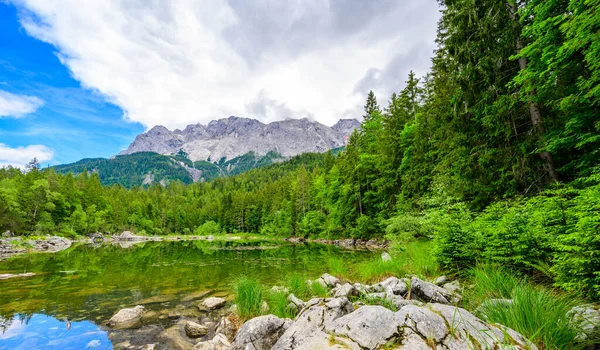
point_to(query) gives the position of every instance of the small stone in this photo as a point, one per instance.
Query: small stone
(453, 287)
(441, 280)
(385, 257)
(213, 303)
(126, 318)
(194, 330)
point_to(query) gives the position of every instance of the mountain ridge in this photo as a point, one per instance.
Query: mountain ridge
(233, 137)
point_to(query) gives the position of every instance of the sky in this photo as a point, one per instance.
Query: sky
(81, 78)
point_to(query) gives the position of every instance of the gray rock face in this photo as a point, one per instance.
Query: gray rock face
(429, 292)
(370, 326)
(126, 318)
(233, 136)
(260, 333)
(307, 331)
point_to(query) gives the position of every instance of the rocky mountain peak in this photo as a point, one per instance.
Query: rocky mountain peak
(234, 136)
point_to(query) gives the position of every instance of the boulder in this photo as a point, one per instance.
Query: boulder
(441, 280)
(470, 332)
(586, 318)
(328, 280)
(213, 303)
(219, 342)
(385, 257)
(394, 286)
(370, 326)
(194, 330)
(423, 321)
(7, 234)
(260, 333)
(307, 331)
(126, 236)
(127, 318)
(453, 287)
(344, 290)
(429, 292)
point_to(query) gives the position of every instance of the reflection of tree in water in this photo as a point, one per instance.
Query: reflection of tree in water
(89, 282)
(5, 323)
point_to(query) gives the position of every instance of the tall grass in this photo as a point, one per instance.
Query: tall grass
(540, 314)
(248, 297)
(414, 259)
(489, 282)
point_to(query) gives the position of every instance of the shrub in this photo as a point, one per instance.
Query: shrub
(209, 228)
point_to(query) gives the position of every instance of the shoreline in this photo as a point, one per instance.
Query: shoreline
(17, 245)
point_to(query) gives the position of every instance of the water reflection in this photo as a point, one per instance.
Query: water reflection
(45, 332)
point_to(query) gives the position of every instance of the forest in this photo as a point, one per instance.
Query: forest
(493, 155)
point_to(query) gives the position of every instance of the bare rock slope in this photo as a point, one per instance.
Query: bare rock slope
(232, 137)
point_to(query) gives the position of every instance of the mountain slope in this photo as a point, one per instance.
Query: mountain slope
(145, 168)
(234, 137)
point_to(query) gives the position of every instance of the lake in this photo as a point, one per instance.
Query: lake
(75, 291)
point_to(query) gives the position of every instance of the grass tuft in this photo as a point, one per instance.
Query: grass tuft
(248, 297)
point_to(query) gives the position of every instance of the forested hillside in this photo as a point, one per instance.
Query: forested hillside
(494, 154)
(145, 168)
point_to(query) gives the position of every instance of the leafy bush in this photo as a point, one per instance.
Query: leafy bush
(406, 228)
(313, 223)
(209, 228)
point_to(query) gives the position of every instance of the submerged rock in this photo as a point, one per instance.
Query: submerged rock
(194, 330)
(219, 342)
(175, 338)
(260, 333)
(213, 303)
(127, 318)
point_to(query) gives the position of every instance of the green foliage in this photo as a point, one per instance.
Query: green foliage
(248, 297)
(209, 228)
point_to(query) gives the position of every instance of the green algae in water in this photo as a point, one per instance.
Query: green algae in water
(93, 282)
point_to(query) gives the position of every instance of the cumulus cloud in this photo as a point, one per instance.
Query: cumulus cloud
(12, 105)
(19, 156)
(187, 61)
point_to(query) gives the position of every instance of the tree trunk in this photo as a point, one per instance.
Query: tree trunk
(534, 108)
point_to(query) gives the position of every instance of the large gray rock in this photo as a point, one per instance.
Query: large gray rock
(307, 329)
(423, 321)
(470, 332)
(295, 302)
(586, 318)
(260, 333)
(127, 318)
(429, 292)
(370, 326)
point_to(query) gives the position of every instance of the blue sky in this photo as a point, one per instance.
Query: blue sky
(80, 78)
(73, 122)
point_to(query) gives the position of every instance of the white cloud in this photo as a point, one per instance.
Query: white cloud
(19, 156)
(12, 105)
(187, 61)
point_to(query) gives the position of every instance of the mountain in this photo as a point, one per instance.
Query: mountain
(234, 137)
(145, 168)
